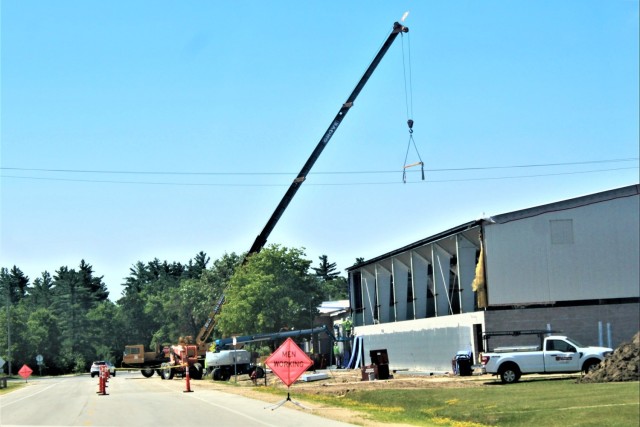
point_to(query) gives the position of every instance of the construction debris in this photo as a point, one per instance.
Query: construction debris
(622, 365)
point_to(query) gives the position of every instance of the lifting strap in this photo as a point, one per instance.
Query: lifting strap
(408, 94)
(420, 163)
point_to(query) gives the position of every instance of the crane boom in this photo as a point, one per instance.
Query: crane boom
(261, 240)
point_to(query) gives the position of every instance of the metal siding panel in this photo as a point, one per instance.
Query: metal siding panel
(384, 294)
(466, 254)
(517, 262)
(441, 273)
(400, 282)
(420, 278)
(524, 266)
(368, 281)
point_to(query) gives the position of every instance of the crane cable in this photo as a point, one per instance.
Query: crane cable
(408, 96)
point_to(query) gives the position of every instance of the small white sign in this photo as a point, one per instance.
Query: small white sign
(39, 359)
(1, 362)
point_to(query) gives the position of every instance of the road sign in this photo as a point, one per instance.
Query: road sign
(288, 362)
(2, 362)
(25, 372)
(39, 359)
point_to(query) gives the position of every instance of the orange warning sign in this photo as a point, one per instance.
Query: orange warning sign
(288, 362)
(25, 372)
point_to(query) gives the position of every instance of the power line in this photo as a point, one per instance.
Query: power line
(477, 168)
(317, 184)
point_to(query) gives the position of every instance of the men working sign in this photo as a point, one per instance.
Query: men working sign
(288, 362)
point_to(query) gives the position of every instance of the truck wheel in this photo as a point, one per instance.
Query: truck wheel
(259, 372)
(167, 372)
(509, 374)
(590, 365)
(147, 372)
(195, 372)
(216, 374)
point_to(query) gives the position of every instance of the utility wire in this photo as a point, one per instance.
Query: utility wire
(473, 168)
(315, 184)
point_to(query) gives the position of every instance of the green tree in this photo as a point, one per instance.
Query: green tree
(13, 284)
(96, 287)
(148, 303)
(75, 294)
(44, 338)
(335, 289)
(332, 285)
(327, 270)
(105, 328)
(197, 266)
(15, 319)
(40, 295)
(163, 301)
(207, 291)
(273, 290)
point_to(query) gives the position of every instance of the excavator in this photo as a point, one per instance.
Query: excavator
(191, 352)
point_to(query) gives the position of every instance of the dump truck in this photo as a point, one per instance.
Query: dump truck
(149, 362)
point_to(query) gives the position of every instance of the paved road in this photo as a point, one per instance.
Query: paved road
(134, 400)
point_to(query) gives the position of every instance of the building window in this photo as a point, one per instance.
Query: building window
(392, 294)
(561, 231)
(356, 279)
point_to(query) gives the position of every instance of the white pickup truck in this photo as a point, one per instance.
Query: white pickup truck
(556, 354)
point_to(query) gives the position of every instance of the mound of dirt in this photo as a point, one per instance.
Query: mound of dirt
(622, 365)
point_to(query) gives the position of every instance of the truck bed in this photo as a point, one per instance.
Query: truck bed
(517, 349)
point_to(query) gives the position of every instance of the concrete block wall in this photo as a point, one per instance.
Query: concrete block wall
(579, 323)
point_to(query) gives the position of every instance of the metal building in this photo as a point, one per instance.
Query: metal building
(571, 266)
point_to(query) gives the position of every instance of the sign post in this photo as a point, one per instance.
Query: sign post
(39, 360)
(288, 362)
(235, 363)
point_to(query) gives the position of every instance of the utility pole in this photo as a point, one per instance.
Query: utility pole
(9, 328)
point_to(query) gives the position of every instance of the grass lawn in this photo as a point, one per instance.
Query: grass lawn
(540, 402)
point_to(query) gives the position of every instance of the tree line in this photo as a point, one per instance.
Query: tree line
(69, 320)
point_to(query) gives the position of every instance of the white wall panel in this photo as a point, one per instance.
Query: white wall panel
(420, 268)
(368, 296)
(534, 259)
(466, 253)
(386, 312)
(426, 345)
(400, 282)
(441, 274)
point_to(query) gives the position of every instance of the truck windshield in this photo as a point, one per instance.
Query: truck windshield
(131, 350)
(574, 342)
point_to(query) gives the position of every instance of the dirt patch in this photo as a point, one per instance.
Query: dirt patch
(340, 383)
(622, 365)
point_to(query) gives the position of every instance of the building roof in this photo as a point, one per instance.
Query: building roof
(333, 308)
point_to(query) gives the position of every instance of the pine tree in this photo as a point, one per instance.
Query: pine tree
(326, 271)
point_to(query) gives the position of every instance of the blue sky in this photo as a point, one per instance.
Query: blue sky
(140, 130)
